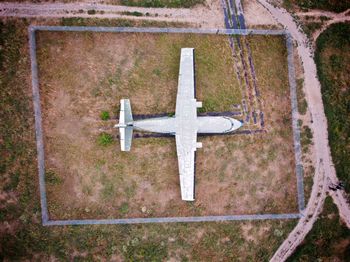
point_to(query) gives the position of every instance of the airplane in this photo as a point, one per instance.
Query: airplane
(185, 125)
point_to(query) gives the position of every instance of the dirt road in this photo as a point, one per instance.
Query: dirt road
(208, 16)
(333, 18)
(325, 172)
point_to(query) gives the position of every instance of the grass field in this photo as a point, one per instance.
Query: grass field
(22, 235)
(333, 71)
(84, 74)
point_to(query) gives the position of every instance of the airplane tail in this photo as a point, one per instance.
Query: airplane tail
(125, 125)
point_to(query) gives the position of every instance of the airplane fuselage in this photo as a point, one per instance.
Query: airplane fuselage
(203, 124)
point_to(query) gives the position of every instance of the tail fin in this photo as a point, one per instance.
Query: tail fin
(125, 125)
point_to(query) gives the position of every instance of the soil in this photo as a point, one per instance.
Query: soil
(84, 74)
(257, 15)
(209, 15)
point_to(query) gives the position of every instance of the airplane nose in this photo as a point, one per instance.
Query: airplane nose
(235, 124)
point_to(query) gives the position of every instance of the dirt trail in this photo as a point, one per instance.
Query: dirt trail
(333, 18)
(209, 15)
(325, 172)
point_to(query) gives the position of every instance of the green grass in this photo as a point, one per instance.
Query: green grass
(105, 139)
(310, 27)
(52, 178)
(306, 138)
(105, 115)
(91, 12)
(302, 104)
(327, 240)
(328, 5)
(162, 3)
(333, 69)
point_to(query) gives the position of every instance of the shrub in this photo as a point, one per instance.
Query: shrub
(52, 178)
(91, 12)
(134, 13)
(105, 115)
(105, 139)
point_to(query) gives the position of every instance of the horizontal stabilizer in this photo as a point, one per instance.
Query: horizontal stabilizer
(125, 125)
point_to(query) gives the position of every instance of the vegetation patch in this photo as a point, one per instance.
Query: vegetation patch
(328, 240)
(162, 3)
(311, 27)
(79, 21)
(105, 139)
(105, 115)
(328, 5)
(134, 13)
(302, 103)
(333, 67)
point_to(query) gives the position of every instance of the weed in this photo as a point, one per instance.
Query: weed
(78, 21)
(162, 3)
(91, 12)
(105, 139)
(14, 180)
(134, 13)
(310, 27)
(52, 178)
(302, 104)
(124, 208)
(105, 115)
(131, 190)
(108, 188)
(156, 71)
(306, 137)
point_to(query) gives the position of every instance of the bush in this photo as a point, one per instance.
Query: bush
(135, 13)
(162, 3)
(105, 139)
(52, 178)
(91, 12)
(105, 115)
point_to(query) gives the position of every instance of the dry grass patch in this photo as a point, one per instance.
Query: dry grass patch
(85, 74)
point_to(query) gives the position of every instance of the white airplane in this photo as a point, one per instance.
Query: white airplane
(185, 125)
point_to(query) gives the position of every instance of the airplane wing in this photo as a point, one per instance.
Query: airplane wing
(125, 138)
(186, 130)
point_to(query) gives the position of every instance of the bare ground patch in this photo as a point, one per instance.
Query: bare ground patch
(83, 74)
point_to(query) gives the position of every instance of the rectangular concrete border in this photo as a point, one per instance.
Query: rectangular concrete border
(39, 135)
